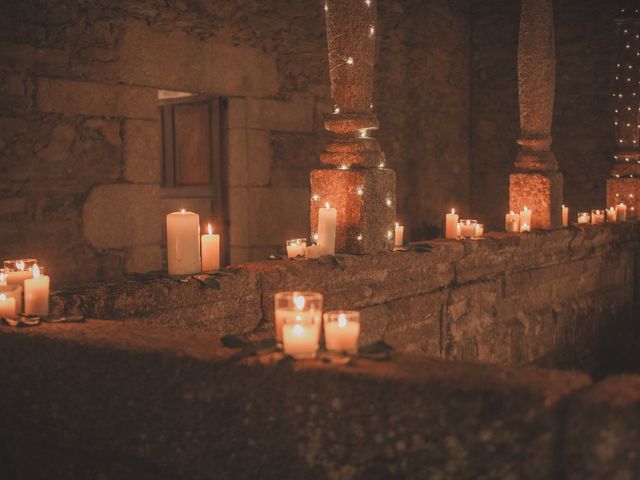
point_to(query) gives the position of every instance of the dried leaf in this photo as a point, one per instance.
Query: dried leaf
(63, 319)
(339, 261)
(423, 247)
(277, 257)
(235, 341)
(379, 351)
(208, 281)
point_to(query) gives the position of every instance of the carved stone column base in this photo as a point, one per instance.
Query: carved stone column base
(366, 203)
(624, 190)
(541, 192)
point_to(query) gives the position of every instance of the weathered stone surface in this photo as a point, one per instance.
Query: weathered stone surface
(627, 191)
(142, 152)
(541, 193)
(122, 215)
(173, 402)
(365, 201)
(89, 98)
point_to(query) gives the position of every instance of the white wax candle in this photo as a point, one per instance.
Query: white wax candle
(468, 228)
(341, 333)
(15, 292)
(512, 222)
(525, 227)
(621, 212)
(597, 216)
(300, 339)
(565, 216)
(313, 251)
(479, 230)
(36, 294)
(525, 218)
(299, 307)
(210, 245)
(327, 219)
(296, 247)
(584, 217)
(7, 306)
(458, 230)
(18, 277)
(3, 278)
(611, 215)
(451, 225)
(183, 243)
(399, 235)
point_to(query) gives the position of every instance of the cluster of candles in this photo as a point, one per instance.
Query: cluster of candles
(612, 215)
(518, 222)
(187, 251)
(23, 277)
(456, 228)
(299, 319)
(326, 237)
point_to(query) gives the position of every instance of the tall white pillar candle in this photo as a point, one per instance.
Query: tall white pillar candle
(327, 219)
(7, 306)
(565, 216)
(621, 212)
(183, 243)
(451, 225)
(36, 294)
(210, 245)
(399, 235)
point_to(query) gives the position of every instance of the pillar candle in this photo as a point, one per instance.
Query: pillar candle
(313, 251)
(36, 294)
(7, 306)
(327, 218)
(210, 245)
(512, 222)
(479, 230)
(399, 237)
(611, 215)
(451, 225)
(584, 217)
(183, 243)
(300, 339)
(299, 307)
(597, 216)
(296, 247)
(565, 216)
(341, 331)
(525, 219)
(458, 230)
(15, 292)
(621, 212)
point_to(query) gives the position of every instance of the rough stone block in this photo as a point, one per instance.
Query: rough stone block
(88, 98)
(237, 161)
(58, 148)
(541, 193)
(295, 115)
(121, 215)
(147, 258)
(627, 191)
(201, 66)
(142, 153)
(237, 113)
(239, 211)
(260, 157)
(365, 201)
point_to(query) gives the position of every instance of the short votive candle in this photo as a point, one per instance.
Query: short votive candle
(479, 230)
(19, 270)
(341, 330)
(15, 292)
(298, 306)
(512, 222)
(597, 216)
(468, 228)
(584, 217)
(300, 337)
(296, 247)
(7, 306)
(612, 216)
(621, 212)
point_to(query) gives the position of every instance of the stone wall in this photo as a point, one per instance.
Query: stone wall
(583, 137)
(79, 125)
(561, 298)
(113, 401)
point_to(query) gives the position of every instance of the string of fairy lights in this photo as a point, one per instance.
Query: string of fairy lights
(362, 133)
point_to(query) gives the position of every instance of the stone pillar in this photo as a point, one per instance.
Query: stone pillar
(353, 178)
(624, 183)
(536, 184)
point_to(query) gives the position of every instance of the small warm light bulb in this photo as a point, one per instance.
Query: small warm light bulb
(315, 197)
(326, 7)
(343, 167)
(350, 61)
(360, 191)
(36, 271)
(388, 201)
(389, 234)
(372, 30)
(298, 300)
(359, 237)
(210, 229)
(367, 2)
(336, 110)
(363, 133)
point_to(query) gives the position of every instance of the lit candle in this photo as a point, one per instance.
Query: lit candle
(399, 235)
(183, 243)
(210, 245)
(451, 225)
(3, 278)
(458, 229)
(19, 271)
(565, 216)
(597, 216)
(621, 212)
(36, 294)
(341, 331)
(525, 219)
(584, 217)
(296, 247)
(299, 306)
(327, 218)
(512, 222)
(479, 230)
(15, 292)
(300, 339)
(611, 215)
(313, 251)
(7, 306)
(468, 228)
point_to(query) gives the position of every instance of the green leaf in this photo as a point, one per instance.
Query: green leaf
(424, 248)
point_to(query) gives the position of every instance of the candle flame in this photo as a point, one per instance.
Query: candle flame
(210, 229)
(36, 271)
(182, 210)
(468, 222)
(526, 209)
(342, 320)
(326, 205)
(563, 206)
(3, 297)
(3, 277)
(512, 212)
(298, 330)
(20, 265)
(298, 300)
(397, 224)
(453, 211)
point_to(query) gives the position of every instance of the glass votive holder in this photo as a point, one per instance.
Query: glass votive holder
(341, 330)
(296, 247)
(297, 306)
(301, 336)
(3, 277)
(19, 264)
(479, 230)
(584, 217)
(512, 222)
(15, 292)
(597, 216)
(468, 228)
(612, 216)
